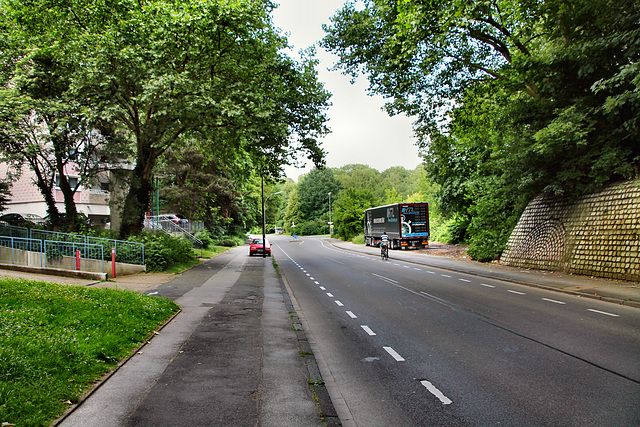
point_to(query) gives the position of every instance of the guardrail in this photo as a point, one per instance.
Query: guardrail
(74, 256)
(14, 231)
(126, 252)
(172, 228)
(21, 251)
(51, 254)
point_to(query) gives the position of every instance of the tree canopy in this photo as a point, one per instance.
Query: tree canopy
(162, 73)
(510, 98)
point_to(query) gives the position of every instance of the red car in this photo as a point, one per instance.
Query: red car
(257, 247)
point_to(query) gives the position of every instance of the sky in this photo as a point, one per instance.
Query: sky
(361, 132)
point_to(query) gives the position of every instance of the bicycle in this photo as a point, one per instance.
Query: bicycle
(384, 252)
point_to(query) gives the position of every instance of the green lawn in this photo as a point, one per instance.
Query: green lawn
(56, 341)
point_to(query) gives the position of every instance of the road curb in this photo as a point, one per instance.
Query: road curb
(316, 382)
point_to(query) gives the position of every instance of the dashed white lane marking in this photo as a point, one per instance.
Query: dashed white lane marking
(367, 330)
(465, 280)
(322, 288)
(417, 269)
(516, 292)
(353, 316)
(430, 272)
(308, 274)
(445, 275)
(602, 312)
(437, 393)
(316, 282)
(339, 303)
(488, 286)
(553, 301)
(394, 354)
(329, 294)
(312, 278)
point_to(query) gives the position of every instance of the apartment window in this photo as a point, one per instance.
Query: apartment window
(73, 181)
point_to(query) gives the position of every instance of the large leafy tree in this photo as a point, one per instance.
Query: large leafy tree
(511, 98)
(162, 72)
(313, 193)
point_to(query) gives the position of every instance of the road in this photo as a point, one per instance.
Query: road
(407, 344)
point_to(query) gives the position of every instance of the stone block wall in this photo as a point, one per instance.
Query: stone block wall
(599, 235)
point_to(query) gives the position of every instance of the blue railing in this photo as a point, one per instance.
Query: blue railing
(125, 251)
(21, 251)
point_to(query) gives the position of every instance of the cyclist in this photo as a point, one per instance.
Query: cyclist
(384, 245)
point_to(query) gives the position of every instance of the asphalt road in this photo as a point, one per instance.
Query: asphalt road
(403, 344)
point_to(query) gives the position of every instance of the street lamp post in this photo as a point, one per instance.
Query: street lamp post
(264, 219)
(330, 222)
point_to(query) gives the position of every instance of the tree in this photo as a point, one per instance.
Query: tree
(511, 98)
(313, 193)
(349, 210)
(163, 72)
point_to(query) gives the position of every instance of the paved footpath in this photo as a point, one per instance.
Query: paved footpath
(231, 357)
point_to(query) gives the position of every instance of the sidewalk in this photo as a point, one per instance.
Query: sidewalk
(231, 357)
(625, 293)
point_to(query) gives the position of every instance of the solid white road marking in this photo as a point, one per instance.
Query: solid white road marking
(353, 316)
(394, 354)
(516, 292)
(385, 278)
(339, 303)
(367, 330)
(553, 301)
(437, 393)
(603, 312)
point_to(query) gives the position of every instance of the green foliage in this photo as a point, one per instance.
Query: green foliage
(312, 228)
(313, 192)
(57, 340)
(511, 98)
(349, 211)
(207, 75)
(162, 250)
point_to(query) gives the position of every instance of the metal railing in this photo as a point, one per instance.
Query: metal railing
(125, 251)
(172, 228)
(73, 256)
(21, 251)
(51, 254)
(14, 231)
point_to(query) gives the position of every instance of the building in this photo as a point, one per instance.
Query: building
(93, 201)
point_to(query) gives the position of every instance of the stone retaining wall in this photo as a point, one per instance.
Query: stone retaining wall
(599, 235)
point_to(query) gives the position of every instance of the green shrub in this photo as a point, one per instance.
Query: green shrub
(205, 238)
(312, 228)
(163, 250)
(228, 243)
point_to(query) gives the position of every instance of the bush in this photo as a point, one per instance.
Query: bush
(312, 228)
(163, 250)
(205, 238)
(228, 243)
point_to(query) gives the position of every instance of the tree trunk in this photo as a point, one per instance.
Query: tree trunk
(136, 203)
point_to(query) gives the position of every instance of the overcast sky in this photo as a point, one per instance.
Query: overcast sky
(361, 131)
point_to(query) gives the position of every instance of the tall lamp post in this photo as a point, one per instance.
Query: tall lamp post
(264, 219)
(330, 222)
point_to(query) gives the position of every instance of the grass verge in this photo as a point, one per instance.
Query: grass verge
(56, 341)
